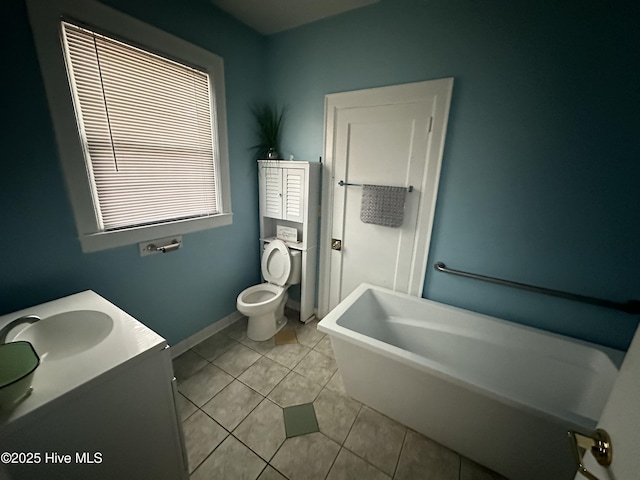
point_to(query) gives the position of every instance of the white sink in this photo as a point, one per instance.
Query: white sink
(65, 334)
(79, 338)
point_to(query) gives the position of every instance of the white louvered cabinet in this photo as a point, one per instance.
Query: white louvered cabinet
(271, 192)
(290, 197)
(283, 193)
(293, 190)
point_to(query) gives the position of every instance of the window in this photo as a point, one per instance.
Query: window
(140, 122)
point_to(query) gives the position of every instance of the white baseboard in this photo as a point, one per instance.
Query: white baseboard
(196, 338)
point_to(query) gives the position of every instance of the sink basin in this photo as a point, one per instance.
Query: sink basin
(66, 334)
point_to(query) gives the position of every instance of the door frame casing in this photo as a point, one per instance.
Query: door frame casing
(439, 91)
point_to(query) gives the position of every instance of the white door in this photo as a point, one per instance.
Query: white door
(621, 420)
(386, 136)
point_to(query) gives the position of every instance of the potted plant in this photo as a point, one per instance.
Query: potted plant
(269, 120)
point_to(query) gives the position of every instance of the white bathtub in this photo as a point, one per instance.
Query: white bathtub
(499, 393)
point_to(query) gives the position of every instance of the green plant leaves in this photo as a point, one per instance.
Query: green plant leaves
(268, 125)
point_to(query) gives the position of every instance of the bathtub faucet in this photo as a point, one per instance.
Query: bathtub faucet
(14, 323)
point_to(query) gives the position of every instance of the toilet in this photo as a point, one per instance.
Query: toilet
(264, 304)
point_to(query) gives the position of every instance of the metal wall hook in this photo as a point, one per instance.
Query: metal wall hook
(599, 444)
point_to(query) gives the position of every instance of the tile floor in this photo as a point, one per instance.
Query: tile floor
(232, 395)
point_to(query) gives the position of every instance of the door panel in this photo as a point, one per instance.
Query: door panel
(390, 136)
(381, 145)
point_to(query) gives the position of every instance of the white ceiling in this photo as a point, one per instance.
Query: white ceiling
(273, 16)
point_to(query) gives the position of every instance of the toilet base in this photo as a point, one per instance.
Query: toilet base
(263, 327)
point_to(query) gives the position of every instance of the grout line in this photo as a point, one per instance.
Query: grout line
(365, 461)
(266, 465)
(210, 453)
(354, 422)
(263, 397)
(230, 433)
(334, 460)
(404, 440)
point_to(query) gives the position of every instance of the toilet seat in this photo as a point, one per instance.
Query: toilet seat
(276, 263)
(259, 295)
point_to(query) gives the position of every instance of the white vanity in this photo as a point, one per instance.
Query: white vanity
(102, 405)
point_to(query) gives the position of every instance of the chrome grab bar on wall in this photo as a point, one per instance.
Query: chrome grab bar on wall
(632, 306)
(342, 183)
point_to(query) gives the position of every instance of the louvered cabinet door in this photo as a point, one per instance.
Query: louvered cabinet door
(294, 193)
(271, 195)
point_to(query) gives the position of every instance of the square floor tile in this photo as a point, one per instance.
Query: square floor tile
(237, 359)
(263, 429)
(317, 367)
(187, 364)
(214, 346)
(294, 390)
(232, 404)
(300, 420)
(271, 473)
(285, 336)
(288, 355)
(336, 414)
(423, 457)
(185, 407)
(308, 333)
(307, 457)
(260, 347)
(324, 347)
(237, 330)
(204, 384)
(377, 439)
(264, 375)
(349, 467)
(201, 436)
(336, 384)
(231, 460)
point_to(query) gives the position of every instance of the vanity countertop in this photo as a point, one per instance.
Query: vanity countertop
(55, 377)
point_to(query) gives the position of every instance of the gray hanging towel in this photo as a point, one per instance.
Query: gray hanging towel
(383, 205)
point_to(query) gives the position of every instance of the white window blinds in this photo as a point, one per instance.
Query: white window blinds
(147, 129)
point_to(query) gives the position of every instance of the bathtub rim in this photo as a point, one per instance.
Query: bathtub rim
(330, 326)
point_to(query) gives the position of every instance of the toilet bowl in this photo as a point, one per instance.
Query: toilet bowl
(264, 303)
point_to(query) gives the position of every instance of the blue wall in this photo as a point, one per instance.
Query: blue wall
(540, 171)
(542, 159)
(176, 294)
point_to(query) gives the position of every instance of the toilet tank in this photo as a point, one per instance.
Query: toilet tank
(296, 267)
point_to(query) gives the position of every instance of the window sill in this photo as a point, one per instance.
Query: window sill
(95, 242)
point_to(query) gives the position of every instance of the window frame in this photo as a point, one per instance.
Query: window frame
(45, 17)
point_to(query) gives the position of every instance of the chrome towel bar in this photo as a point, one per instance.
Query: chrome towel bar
(342, 183)
(632, 306)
